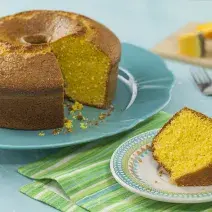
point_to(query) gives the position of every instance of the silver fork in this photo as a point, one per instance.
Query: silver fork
(202, 80)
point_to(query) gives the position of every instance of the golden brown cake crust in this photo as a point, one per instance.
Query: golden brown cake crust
(202, 177)
(22, 74)
(55, 25)
(198, 178)
(29, 71)
(30, 113)
(31, 92)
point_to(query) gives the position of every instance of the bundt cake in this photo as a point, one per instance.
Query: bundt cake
(44, 54)
(184, 148)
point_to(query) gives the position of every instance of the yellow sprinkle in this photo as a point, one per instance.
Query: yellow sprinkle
(41, 133)
(77, 106)
(83, 126)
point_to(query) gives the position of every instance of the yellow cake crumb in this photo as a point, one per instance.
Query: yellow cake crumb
(41, 133)
(56, 131)
(102, 116)
(68, 124)
(72, 112)
(69, 130)
(83, 125)
(77, 106)
(80, 117)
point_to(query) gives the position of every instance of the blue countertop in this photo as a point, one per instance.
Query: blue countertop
(140, 22)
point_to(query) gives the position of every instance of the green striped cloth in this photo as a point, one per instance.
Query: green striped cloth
(79, 179)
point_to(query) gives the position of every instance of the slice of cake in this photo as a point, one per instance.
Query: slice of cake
(183, 147)
(192, 45)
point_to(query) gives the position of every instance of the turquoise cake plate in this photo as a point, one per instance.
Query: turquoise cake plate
(144, 88)
(133, 167)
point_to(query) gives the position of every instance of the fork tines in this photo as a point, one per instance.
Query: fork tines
(201, 77)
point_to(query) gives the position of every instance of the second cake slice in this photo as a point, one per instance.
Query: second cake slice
(184, 148)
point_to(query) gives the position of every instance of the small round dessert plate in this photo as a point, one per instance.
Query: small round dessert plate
(133, 167)
(144, 88)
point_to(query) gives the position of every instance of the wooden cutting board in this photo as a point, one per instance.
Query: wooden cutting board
(168, 48)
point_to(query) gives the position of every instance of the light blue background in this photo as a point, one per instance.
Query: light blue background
(140, 22)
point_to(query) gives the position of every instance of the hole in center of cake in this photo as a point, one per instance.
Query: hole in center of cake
(35, 39)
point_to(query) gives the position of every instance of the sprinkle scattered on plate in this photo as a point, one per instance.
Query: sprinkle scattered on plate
(133, 166)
